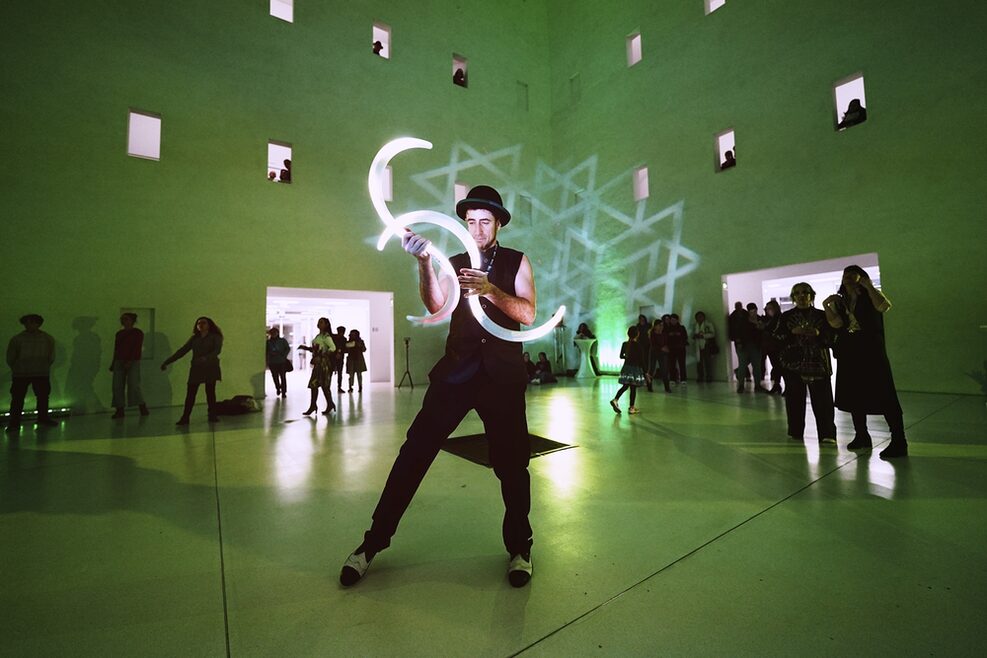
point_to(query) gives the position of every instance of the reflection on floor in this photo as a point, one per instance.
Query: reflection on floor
(696, 527)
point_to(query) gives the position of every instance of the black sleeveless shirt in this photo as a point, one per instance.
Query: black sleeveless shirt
(469, 346)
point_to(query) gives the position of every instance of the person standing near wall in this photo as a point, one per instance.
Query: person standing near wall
(803, 336)
(658, 365)
(864, 384)
(324, 354)
(479, 371)
(278, 357)
(206, 343)
(704, 338)
(678, 340)
(126, 367)
(356, 363)
(339, 338)
(769, 342)
(30, 355)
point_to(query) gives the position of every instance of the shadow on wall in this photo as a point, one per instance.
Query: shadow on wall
(155, 384)
(84, 365)
(980, 378)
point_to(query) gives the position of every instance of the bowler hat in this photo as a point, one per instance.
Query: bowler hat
(487, 198)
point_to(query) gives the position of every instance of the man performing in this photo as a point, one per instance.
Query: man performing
(478, 371)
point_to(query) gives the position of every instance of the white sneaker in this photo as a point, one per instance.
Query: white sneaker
(354, 568)
(519, 570)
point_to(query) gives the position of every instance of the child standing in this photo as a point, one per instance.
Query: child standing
(632, 374)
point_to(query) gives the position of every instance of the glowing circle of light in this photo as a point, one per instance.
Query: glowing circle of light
(394, 227)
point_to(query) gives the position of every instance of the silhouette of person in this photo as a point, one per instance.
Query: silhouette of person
(205, 343)
(286, 172)
(459, 77)
(378, 46)
(30, 355)
(356, 364)
(478, 371)
(339, 338)
(126, 366)
(855, 113)
(278, 356)
(728, 160)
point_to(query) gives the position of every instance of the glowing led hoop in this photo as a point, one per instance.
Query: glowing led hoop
(394, 227)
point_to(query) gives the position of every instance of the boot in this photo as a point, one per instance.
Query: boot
(776, 389)
(119, 413)
(897, 448)
(144, 411)
(313, 407)
(861, 441)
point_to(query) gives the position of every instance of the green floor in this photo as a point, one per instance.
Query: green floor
(696, 527)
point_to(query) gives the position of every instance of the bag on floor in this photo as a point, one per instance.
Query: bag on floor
(238, 404)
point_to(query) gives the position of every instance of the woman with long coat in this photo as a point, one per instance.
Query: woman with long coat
(864, 384)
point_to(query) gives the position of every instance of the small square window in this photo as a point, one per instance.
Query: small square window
(713, 5)
(460, 190)
(849, 100)
(726, 150)
(278, 162)
(388, 184)
(641, 184)
(144, 135)
(460, 72)
(381, 40)
(633, 49)
(283, 9)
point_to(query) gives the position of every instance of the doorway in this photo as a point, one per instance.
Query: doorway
(762, 286)
(296, 312)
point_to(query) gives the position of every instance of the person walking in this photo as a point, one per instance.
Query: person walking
(323, 362)
(278, 360)
(632, 372)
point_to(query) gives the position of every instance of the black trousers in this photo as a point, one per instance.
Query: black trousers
(18, 391)
(193, 390)
(704, 366)
(280, 380)
(502, 409)
(676, 360)
(776, 369)
(821, 396)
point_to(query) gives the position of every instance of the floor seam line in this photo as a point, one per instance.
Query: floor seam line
(685, 556)
(222, 560)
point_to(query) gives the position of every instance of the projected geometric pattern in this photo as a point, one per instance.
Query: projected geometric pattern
(574, 231)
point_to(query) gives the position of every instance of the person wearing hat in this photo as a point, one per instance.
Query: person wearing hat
(30, 355)
(478, 371)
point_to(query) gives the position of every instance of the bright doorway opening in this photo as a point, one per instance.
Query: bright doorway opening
(761, 286)
(296, 312)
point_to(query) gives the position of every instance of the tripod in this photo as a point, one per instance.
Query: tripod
(407, 368)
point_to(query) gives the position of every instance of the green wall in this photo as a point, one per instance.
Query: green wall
(906, 184)
(87, 229)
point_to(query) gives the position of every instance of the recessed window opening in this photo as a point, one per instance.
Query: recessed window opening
(278, 162)
(381, 40)
(522, 96)
(713, 5)
(726, 150)
(460, 72)
(460, 190)
(388, 184)
(633, 48)
(641, 184)
(283, 9)
(850, 102)
(144, 135)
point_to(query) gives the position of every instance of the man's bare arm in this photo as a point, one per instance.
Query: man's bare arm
(520, 306)
(433, 293)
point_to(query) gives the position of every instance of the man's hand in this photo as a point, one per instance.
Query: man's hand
(475, 282)
(415, 245)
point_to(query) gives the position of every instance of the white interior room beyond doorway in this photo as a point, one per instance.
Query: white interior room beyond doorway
(761, 286)
(296, 312)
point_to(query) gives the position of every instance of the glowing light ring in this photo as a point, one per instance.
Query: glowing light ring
(394, 226)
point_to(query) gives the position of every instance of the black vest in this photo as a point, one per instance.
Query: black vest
(469, 343)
